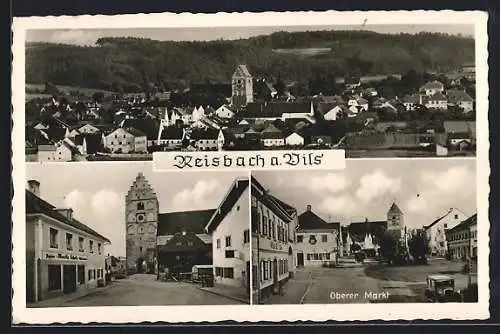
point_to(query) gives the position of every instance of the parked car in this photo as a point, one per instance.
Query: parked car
(441, 289)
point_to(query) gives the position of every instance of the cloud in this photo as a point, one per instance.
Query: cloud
(200, 196)
(341, 205)
(438, 190)
(331, 182)
(102, 211)
(376, 185)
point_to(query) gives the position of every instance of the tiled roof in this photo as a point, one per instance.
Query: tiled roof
(413, 98)
(36, 205)
(172, 132)
(437, 97)
(308, 220)
(134, 132)
(197, 134)
(437, 220)
(185, 242)
(227, 203)
(456, 96)
(395, 208)
(243, 70)
(190, 221)
(263, 195)
(93, 142)
(466, 223)
(147, 126)
(275, 109)
(290, 209)
(433, 85)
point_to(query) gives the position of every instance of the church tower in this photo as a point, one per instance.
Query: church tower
(141, 217)
(242, 87)
(395, 220)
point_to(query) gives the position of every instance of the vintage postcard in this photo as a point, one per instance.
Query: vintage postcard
(336, 160)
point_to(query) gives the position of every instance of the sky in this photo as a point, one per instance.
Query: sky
(89, 36)
(96, 192)
(424, 189)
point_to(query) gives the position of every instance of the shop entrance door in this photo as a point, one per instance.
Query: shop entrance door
(300, 259)
(69, 278)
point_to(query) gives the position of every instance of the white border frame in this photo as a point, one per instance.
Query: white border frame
(252, 313)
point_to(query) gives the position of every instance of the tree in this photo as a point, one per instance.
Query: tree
(419, 246)
(279, 86)
(389, 246)
(98, 97)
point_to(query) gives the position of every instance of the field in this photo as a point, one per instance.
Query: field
(35, 90)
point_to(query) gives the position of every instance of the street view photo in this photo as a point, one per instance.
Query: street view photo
(118, 234)
(383, 231)
(373, 91)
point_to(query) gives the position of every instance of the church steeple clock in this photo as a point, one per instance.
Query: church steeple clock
(141, 217)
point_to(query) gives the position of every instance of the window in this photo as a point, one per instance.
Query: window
(228, 241)
(324, 238)
(445, 225)
(264, 225)
(140, 249)
(93, 274)
(218, 243)
(246, 236)
(91, 246)
(238, 208)
(90, 274)
(81, 274)
(229, 254)
(140, 206)
(218, 271)
(286, 236)
(69, 241)
(80, 244)
(54, 277)
(99, 250)
(141, 230)
(228, 273)
(53, 238)
(456, 216)
(300, 238)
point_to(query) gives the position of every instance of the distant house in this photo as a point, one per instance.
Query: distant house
(126, 141)
(294, 139)
(280, 110)
(437, 101)
(411, 102)
(469, 70)
(272, 136)
(198, 114)
(460, 131)
(225, 112)
(432, 87)
(332, 111)
(460, 99)
(89, 143)
(58, 152)
(171, 137)
(187, 115)
(436, 231)
(88, 128)
(207, 140)
(358, 102)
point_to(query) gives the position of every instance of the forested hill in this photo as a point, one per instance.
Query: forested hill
(128, 64)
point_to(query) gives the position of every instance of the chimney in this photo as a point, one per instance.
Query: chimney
(34, 187)
(308, 208)
(68, 213)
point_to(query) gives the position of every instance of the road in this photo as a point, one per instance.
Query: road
(353, 285)
(141, 290)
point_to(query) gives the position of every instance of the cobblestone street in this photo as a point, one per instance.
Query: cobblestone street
(144, 290)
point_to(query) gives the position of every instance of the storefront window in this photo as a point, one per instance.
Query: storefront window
(54, 273)
(81, 274)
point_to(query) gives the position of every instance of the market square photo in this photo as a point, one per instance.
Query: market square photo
(372, 90)
(135, 238)
(387, 231)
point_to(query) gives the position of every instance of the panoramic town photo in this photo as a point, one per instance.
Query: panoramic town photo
(373, 91)
(399, 231)
(121, 235)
